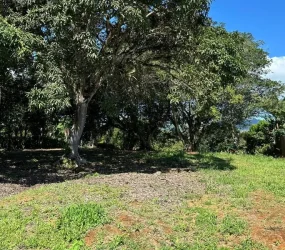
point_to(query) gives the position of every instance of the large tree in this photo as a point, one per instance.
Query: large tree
(88, 44)
(224, 84)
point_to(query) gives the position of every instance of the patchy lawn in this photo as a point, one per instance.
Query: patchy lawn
(129, 200)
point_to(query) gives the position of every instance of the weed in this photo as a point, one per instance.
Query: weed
(77, 219)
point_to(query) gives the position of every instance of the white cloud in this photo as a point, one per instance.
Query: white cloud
(277, 69)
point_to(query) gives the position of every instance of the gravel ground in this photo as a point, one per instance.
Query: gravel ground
(166, 188)
(7, 189)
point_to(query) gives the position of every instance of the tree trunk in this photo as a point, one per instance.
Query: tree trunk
(190, 147)
(191, 144)
(145, 143)
(130, 140)
(77, 130)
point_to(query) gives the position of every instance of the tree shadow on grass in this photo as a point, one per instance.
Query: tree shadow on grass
(38, 167)
(214, 162)
(30, 167)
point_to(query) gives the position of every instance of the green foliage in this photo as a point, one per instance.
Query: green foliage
(74, 60)
(259, 137)
(77, 219)
(52, 97)
(264, 137)
(113, 137)
(14, 42)
(66, 163)
(219, 137)
(169, 145)
(150, 66)
(78, 245)
(220, 88)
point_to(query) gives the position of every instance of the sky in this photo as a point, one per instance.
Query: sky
(264, 19)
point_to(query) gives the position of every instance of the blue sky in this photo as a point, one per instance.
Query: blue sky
(264, 19)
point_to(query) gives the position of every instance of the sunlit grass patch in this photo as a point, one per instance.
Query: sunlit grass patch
(54, 216)
(76, 220)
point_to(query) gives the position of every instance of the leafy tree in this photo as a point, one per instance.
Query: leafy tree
(225, 86)
(89, 44)
(15, 81)
(139, 112)
(265, 137)
(216, 64)
(260, 138)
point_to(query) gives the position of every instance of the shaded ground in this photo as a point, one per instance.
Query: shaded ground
(22, 169)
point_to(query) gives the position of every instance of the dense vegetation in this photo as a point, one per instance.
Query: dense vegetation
(134, 74)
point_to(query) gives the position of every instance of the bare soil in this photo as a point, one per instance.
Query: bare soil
(267, 220)
(7, 189)
(165, 188)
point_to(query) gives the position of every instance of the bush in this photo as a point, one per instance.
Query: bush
(264, 138)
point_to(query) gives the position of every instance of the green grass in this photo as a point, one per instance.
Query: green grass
(76, 220)
(60, 216)
(233, 225)
(55, 216)
(252, 173)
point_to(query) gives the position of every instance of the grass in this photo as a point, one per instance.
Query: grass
(77, 219)
(53, 217)
(244, 197)
(253, 173)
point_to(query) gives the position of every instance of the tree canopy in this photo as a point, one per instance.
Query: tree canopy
(148, 69)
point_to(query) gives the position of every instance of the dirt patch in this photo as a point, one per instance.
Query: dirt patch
(7, 189)
(165, 228)
(193, 153)
(109, 230)
(132, 226)
(266, 220)
(127, 220)
(165, 188)
(90, 238)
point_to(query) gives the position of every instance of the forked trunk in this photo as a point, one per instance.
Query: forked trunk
(77, 130)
